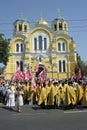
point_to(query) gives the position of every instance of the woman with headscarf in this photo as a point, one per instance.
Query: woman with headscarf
(19, 98)
(10, 96)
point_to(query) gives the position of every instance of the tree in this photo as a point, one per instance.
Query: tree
(4, 50)
(81, 65)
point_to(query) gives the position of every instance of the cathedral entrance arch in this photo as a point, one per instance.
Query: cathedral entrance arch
(40, 69)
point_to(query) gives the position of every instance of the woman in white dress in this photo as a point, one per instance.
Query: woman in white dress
(19, 98)
(10, 96)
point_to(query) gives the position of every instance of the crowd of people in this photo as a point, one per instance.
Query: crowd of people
(53, 93)
(11, 95)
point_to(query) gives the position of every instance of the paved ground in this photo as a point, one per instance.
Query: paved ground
(35, 118)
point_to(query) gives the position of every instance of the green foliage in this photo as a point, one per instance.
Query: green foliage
(4, 50)
(1, 70)
(82, 65)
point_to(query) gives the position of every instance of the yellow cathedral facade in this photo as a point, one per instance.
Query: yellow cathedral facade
(43, 44)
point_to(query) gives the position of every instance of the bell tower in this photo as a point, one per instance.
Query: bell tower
(60, 25)
(21, 26)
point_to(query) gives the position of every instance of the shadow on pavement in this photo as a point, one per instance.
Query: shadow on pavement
(9, 109)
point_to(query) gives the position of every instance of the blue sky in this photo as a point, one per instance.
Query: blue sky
(75, 11)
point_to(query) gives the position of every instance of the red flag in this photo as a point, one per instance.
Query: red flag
(18, 76)
(41, 74)
(30, 73)
(42, 77)
(79, 74)
(73, 76)
(33, 85)
(27, 75)
(37, 68)
(44, 68)
(13, 78)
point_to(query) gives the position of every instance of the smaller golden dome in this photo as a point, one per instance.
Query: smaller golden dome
(41, 21)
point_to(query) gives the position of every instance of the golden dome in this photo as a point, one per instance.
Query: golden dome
(41, 21)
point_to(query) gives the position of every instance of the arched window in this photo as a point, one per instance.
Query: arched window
(65, 27)
(60, 26)
(62, 66)
(25, 28)
(17, 65)
(17, 47)
(59, 47)
(45, 44)
(63, 46)
(40, 42)
(35, 43)
(21, 65)
(55, 27)
(21, 48)
(20, 27)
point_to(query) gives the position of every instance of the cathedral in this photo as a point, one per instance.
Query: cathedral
(46, 45)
